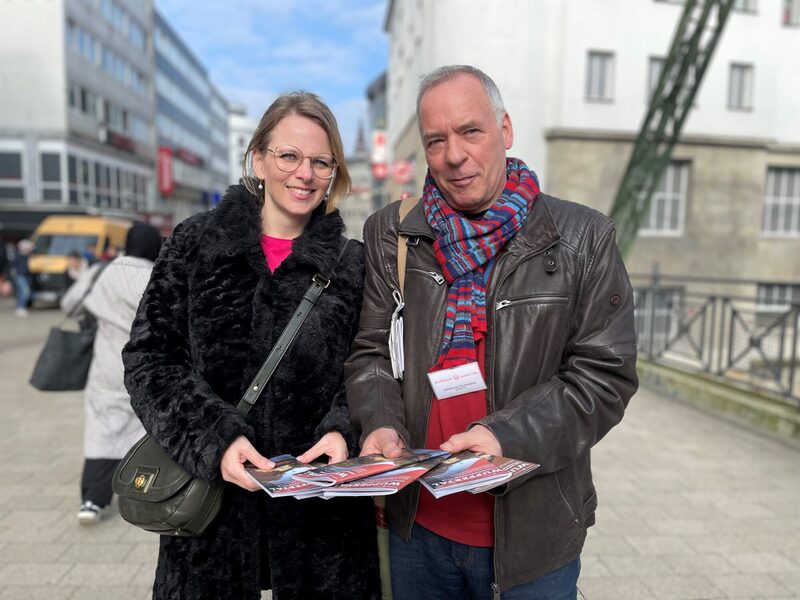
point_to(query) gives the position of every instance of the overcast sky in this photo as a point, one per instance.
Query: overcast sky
(256, 49)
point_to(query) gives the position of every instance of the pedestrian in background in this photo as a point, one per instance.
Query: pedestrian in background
(6, 287)
(527, 295)
(110, 426)
(76, 265)
(221, 293)
(22, 276)
(88, 254)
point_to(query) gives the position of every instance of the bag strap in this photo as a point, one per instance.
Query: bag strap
(95, 277)
(406, 204)
(318, 284)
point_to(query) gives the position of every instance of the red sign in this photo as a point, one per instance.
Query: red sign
(166, 182)
(120, 141)
(380, 170)
(190, 157)
(402, 171)
(379, 147)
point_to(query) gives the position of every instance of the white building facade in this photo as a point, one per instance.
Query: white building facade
(241, 128)
(76, 125)
(576, 77)
(191, 127)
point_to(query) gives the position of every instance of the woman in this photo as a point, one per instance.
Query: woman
(221, 293)
(111, 427)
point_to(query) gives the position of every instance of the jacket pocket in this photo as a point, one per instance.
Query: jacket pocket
(573, 515)
(589, 508)
(538, 299)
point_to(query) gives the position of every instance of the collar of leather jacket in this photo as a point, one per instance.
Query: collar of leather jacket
(538, 233)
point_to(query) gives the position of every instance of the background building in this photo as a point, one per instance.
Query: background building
(218, 159)
(357, 206)
(240, 129)
(76, 125)
(376, 111)
(191, 123)
(95, 95)
(729, 204)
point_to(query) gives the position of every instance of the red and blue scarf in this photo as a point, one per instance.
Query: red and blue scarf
(466, 248)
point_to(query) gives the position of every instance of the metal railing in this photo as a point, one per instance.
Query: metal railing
(689, 323)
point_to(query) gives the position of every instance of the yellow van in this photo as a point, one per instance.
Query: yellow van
(57, 237)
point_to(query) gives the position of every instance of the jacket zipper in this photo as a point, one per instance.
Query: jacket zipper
(531, 300)
(432, 274)
(489, 365)
(439, 281)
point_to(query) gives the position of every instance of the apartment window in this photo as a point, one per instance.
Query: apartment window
(668, 204)
(10, 165)
(11, 187)
(776, 297)
(654, 69)
(84, 170)
(72, 173)
(740, 88)
(782, 202)
(657, 315)
(73, 95)
(600, 76)
(89, 103)
(51, 176)
(791, 12)
(51, 167)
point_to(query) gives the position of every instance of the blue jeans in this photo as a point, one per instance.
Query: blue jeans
(22, 285)
(429, 566)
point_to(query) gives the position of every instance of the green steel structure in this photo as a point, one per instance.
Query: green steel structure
(698, 32)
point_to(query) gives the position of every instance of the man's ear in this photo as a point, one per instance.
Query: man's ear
(508, 132)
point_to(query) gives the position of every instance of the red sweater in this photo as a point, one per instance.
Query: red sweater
(275, 250)
(463, 517)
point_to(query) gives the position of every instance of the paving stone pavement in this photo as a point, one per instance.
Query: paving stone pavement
(691, 506)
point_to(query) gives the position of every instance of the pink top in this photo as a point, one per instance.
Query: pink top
(275, 250)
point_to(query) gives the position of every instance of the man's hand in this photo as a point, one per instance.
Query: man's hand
(476, 439)
(385, 441)
(232, 464)
(331, 444)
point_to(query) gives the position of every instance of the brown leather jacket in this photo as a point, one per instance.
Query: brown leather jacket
(560, 368)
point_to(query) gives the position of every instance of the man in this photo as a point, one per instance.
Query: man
(22, 276)
(530, 293)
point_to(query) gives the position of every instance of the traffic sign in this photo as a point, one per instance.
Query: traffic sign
(402, 171)
(380, 170)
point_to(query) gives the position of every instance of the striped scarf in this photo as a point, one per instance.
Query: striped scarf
(466, 248)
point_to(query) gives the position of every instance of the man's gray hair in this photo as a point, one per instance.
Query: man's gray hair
(449, 72)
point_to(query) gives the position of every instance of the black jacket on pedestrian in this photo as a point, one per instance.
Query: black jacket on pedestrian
(19, 265)
(208, 318)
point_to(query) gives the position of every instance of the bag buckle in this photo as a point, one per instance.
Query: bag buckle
(143, 479)
(321, 281)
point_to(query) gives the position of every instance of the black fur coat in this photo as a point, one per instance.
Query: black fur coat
(208, 318)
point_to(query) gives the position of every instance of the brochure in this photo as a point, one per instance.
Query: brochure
(461, 472)
(363, 466)
(516, 468)
(280, 481)
(386, 483)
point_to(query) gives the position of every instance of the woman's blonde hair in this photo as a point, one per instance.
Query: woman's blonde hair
(311, 106)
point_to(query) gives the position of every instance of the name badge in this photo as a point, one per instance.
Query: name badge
(456, 381)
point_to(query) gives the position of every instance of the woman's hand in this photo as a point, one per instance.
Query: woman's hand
(232, 464)
(331, 444)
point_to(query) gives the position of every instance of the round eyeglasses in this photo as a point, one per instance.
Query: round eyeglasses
(289, 159)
